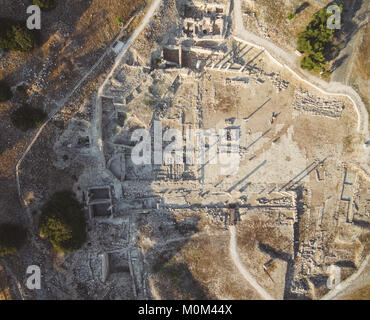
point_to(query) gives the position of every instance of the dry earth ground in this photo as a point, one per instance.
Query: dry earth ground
(73, 36)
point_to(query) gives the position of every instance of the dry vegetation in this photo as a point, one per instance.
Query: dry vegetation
(196, 268)
(363, 61)
(361, 294)
(261, 231)
(72, 38)
(274, 18)
(68, 49)
(202, 269)
(200, 266)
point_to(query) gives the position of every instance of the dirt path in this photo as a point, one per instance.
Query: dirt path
(244, 272)
(96, 135)
(344, 71)
(357, 281)
(291, 63)
(60, 104)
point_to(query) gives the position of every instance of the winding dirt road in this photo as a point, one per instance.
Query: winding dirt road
(356, 280)
(291, 63)
(60, 104)
(96, 135)
(244, 272)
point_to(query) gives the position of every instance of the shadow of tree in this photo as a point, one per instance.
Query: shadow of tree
(349, 27)
(302, 7)
(339, 62)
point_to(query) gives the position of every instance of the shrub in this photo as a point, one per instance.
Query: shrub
(45, 4)
(119, 21)
(12, 238)
(27, 117)
(5, 92)
(62, 222)
(15, 36)
(290, 16)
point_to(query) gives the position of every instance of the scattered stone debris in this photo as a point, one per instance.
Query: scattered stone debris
(309, 103)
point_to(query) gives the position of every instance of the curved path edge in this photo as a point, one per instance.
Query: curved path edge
(243, 271)
(291, 63)
(334, 293)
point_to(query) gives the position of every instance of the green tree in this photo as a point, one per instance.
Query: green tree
(5, 92)
(63, 223)
(12, 238)
(27, 117)
(315, 41)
